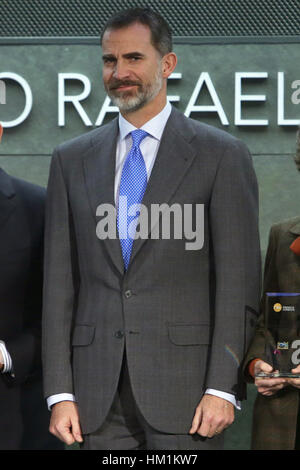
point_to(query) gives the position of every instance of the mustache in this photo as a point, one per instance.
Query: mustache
(117, 83)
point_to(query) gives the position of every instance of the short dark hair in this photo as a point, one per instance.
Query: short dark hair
(161, 35)
(297, 156)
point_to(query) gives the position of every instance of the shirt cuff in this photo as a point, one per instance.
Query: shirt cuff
(6, 359)
(53, 399)
(226, 396)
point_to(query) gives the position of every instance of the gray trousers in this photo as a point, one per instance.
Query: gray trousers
(126, 429)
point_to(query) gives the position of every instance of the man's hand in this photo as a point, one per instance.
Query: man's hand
(267, 386)
(64, 422)
(294, 382)
(212, 416)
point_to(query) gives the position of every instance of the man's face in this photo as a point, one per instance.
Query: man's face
(132, 67)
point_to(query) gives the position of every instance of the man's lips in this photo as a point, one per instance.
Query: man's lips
(123, 86)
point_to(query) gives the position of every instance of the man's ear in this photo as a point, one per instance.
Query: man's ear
(169, 64)
(1, 132)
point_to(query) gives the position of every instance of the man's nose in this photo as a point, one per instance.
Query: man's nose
(121, 70)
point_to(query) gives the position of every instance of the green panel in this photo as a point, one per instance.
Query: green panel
(279, 189)
(33, 169)
(39, 65)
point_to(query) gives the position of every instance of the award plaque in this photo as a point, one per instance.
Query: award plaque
(282, 334)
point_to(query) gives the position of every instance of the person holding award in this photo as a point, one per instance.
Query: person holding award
(276, 415)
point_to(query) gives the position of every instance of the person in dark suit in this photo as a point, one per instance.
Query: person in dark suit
(142, 339)
(23, 414)
(276, 424)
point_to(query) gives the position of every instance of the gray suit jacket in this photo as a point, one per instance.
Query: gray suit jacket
(180, 314)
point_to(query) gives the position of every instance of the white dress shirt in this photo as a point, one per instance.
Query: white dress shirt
(149, 148)
(7, 362)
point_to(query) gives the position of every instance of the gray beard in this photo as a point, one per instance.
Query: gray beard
(143, 96)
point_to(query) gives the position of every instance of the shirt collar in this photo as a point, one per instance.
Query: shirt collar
(154, 127)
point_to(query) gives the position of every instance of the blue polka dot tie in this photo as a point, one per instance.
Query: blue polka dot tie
(132, 188)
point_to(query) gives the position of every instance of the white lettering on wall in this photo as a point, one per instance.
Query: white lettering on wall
(74, 99)
(281, 121)
(28, 99)
(2, 92)
(215, 108)
(204, 79)
(239, 97)
(295, 99)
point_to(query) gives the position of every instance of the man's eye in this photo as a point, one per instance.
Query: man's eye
(108, 60)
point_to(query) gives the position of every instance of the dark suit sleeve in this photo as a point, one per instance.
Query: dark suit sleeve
(236, 258)
(257, 345)
(58, 293)
(25, 347)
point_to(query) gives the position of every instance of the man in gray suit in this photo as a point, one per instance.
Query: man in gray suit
(143, 338)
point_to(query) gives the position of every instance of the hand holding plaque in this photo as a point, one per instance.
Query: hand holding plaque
(295, 380)
(266, 384)
(282, 335)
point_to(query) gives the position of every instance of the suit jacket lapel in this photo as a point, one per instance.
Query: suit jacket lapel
(99, 169)
(173, 159)
(7, 198)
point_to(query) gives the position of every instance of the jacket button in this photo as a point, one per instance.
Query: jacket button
(128, 294)
(119, 334)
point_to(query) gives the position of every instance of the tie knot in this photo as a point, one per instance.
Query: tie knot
(137, 136)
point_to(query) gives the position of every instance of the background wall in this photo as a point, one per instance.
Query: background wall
(41, 39)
